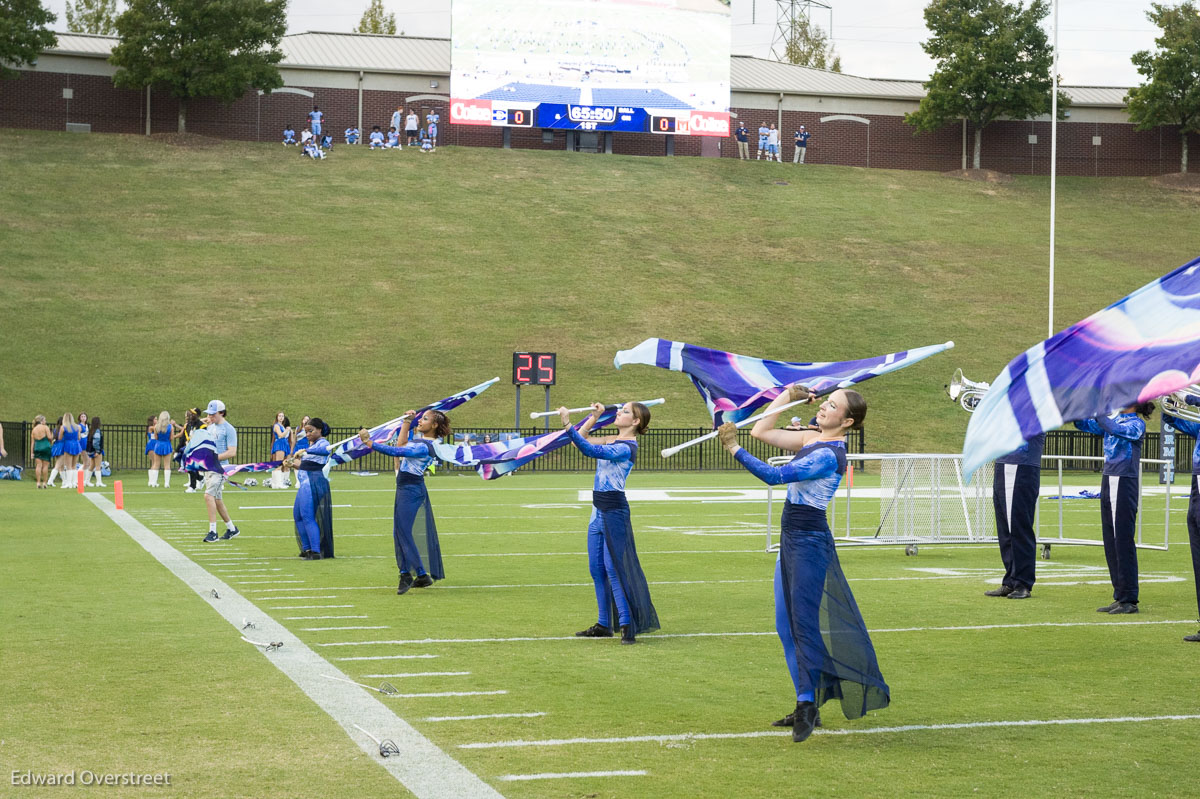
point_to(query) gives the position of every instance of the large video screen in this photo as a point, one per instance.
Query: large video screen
(643, 66)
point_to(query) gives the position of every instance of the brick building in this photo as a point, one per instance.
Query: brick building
(362, 79)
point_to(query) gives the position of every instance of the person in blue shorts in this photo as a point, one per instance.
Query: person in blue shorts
(281, 447)
(764, 133)
(352, 135)
(289, 136)
(314, 118)
(826, 645)
(376, 138)
(621, 587)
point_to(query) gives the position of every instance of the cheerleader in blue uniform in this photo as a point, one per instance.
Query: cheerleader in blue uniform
(825, 641)
(414, 533)
(66, 450)
(313, 508)
(612, 556)
(1016, 483)
(1188, 427)
(281, 447)
(160, 456)
(1119, 495)
(151, 421)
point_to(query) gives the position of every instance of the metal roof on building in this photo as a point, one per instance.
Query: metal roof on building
(427, 56)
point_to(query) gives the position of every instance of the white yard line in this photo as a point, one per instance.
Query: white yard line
(487, 716)
(701, 736)
(423, 768)
(404, 674)
(327, 629)
(303, 607)
(566, 775)
(651, 636)
(312, 618)
(390, 657)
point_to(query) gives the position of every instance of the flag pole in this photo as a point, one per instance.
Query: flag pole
(669, 451)
(1053, 163)
(647, 403)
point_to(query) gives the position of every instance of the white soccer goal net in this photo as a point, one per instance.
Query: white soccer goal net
(924, 499)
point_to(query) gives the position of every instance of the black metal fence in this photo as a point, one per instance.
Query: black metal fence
(125, 447)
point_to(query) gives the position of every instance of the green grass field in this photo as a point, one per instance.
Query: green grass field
(113, 665)
(164, 276)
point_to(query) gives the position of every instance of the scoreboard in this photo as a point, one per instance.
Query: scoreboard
(534, 368)
(611, 118)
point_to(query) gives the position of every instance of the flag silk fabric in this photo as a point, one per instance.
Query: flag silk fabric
(1139, 348)
(733, 386)
(503, 457)
(351, 448)
(200, 455)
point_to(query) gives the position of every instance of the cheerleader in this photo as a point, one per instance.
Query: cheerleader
(281, 448)
(66, 450)
(41, 450)
(414, 533)
(1188, 427)
(312, 510)
(94, 456)
(164, 429)
(811, 592)
(612, 555)
(1119, 494)
(1016, 483)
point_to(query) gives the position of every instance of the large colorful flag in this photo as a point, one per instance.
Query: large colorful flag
(348, 449)
(733, 386)
(504, 457)
(1139, 348)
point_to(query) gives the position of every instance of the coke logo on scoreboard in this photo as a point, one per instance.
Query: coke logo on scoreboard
(471, 112)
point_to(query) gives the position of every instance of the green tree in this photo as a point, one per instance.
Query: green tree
(92, 16)
(376, 20)
(808, 45)
(993, 60)
(200, 48)
(1171, 95)
(24, 34)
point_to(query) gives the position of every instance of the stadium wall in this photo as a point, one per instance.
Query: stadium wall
(1095, 142)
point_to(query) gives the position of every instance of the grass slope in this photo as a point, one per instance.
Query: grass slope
(139, 275)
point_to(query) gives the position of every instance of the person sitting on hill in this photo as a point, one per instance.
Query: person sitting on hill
(312, 150)
(376, 138)
(289, 136)
(327, 141)
(305, 135)
(393, 139)
(352, 135)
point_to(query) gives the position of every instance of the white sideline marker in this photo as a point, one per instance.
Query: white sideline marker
(307, 607)
(718, 736)
(311, 618)
(425, 770)
(420, 674)
(435, 694)
(326, 629)
(566, 775)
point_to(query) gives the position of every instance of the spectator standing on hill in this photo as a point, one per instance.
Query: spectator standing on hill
(802, 137)
(764, 134)
(743, 141)
(397, 119)
(411, 124)
(289, 136)
(224, 438)
(433, 131)
(314, 118)
(773, 144)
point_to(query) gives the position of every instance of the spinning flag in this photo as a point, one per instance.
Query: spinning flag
(1139, 348)
(200, 455)
(733, 386)
(500, 458)
(349, 449)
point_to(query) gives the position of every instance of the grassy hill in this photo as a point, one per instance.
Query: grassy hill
(140, 274)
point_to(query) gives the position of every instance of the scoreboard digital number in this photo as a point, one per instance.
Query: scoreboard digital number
(534, 368)
(519, 118)
(662, 124)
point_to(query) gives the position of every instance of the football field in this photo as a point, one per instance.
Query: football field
(124, 654)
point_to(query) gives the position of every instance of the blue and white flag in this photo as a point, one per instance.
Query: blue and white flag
(1139, 348)
(733, 386)
(351, 448)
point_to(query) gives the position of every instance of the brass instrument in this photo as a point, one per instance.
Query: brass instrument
(966, 392)
(1176, 404)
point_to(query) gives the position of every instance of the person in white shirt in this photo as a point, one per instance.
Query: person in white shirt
(773, 144)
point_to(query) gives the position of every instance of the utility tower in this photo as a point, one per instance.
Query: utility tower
(789, 15)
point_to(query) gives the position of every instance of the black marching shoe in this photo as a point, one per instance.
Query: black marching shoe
(315, 556)
(627, 634)
(1124, 607)
(804, 721)
(595, 631)
(1108, 608)
(1192, 638)
(305, 553)
(790, 720)
(423, 581)
(1003, 590)
(1019, 593)
(406, 582)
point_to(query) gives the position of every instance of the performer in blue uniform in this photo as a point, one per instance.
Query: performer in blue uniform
(281, 447)
(414, 533)
(825, 641)
(1119, 495)
(612, 556)
(1188, 427)
(1016, 482)
(313, 509)
(66, 450)
(160, 456)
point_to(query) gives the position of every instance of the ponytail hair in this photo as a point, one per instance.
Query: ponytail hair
(856, 408)
(642, 414)
(319, 423)
(441, 425)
